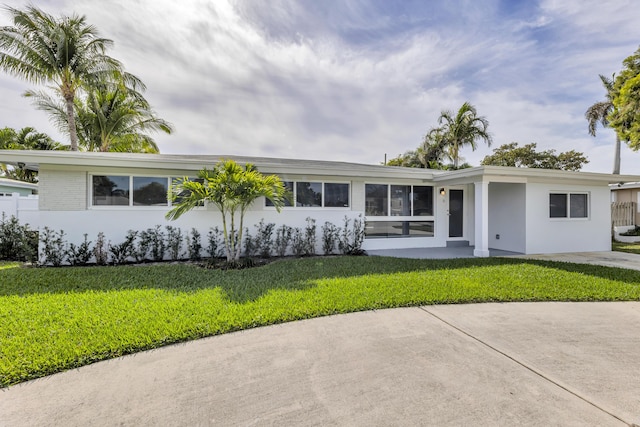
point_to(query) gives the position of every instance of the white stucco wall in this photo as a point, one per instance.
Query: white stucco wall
(548, 235)
(507, 217)
(115, 223)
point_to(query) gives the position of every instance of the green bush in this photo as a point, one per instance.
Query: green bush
(17, 242)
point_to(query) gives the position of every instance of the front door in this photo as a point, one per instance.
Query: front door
(456, 217)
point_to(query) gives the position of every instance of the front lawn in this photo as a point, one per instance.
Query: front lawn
(53, 319)
(633, 248)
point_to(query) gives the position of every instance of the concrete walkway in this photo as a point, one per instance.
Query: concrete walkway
(606, 258)
(535, 364)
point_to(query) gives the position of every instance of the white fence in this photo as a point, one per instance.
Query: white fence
(623, 214)
(25, 208)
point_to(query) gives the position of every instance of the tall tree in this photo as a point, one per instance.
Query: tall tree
(527, 157)
(111, 117)
(464, 127)
(25, 139)
(625, 117)
(232, 189)
(65, 52)
(599, 113)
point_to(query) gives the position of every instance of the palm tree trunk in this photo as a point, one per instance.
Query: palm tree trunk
(71, 119)
(616, 157)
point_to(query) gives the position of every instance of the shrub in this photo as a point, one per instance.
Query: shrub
(121, 252)
(250, 247)
(17, 242)
(215, 245)
(264, 238)
(351, 239)
(310, 237)
(330, 235)
(101, 250)
(194, 245)
(298, 246)
(53, 247)
(283, 240)
(633, 232)
(174, 242)
(140, 250)
(157, 245)
(81, 254)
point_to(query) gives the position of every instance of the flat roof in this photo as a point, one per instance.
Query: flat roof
(34, 159)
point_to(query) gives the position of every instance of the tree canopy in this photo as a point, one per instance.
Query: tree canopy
(625, 117)
(109, 117)
(25, 139)
(232, 189)
(461, 128)
(68, 55)
(600, 112)
(527, 157)
(444, 142)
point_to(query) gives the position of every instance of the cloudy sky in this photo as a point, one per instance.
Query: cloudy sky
(352, 80)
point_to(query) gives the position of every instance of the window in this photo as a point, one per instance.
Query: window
(336, 195)
(378, 229)
(149, 191)
(400, 204)
(376, 200)
(392, 207)
(309, 194)
(316, 194)
(110, 190)
(398, 200)
(568, 205)
(118, 190)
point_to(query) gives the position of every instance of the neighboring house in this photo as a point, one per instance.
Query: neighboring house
(513, 209)
(19, 199)
(625, 203)
(11, 186)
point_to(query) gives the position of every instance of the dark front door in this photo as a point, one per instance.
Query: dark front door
(455, 212)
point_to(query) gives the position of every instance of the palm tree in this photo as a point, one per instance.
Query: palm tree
(463, 128)
(25, 139)
(65, 53)
(433, 150)
(599, 113)
(232, 189)
(112, 117)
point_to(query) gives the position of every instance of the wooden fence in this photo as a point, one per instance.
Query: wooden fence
(623, 213)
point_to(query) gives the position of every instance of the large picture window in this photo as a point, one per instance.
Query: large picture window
(307, 194)
(568, 205)
(119, 190)
(390, 208)
(398, 200)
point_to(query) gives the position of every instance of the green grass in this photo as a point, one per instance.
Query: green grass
(53, 319)
(633, 248)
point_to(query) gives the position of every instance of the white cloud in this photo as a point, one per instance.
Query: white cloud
(355, 80)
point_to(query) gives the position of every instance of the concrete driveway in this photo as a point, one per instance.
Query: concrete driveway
(538, 364)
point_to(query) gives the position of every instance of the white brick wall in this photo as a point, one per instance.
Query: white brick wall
(62, 190)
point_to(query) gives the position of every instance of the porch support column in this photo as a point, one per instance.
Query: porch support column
(481, 219)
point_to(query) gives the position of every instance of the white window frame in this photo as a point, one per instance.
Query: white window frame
(130, 205)
(401, 218)
(568, 197)
(412, 217)
(323, 207)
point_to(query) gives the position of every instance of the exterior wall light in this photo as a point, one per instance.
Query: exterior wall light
(442, 192)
